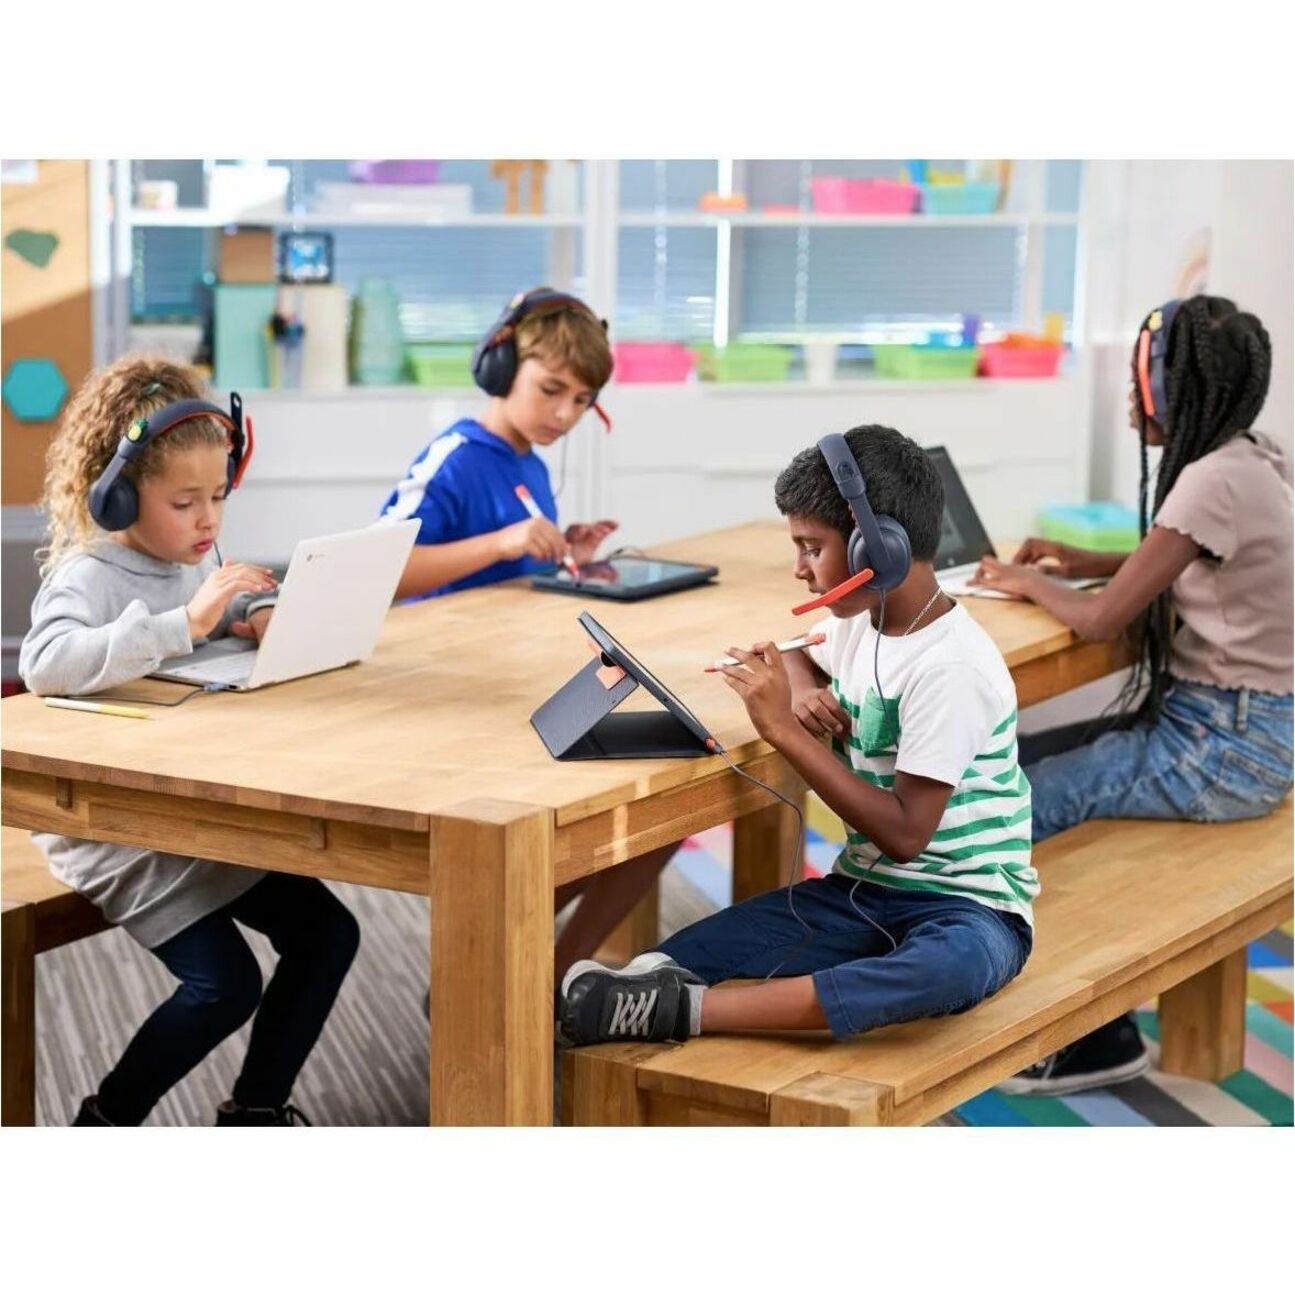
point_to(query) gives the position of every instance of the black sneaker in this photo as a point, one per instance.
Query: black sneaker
(230, 1113)
(646, 999)
(1112, 1054)
(90, 1114)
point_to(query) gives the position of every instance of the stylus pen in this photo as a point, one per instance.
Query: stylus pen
(533, 508)
(99, 707)
(805, 640)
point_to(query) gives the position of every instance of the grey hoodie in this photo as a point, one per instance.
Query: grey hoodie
(103, 617)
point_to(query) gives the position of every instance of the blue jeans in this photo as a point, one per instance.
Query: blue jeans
(952, 952)
(1212, 755)
(315, 937)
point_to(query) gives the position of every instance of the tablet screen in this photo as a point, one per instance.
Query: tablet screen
(625, 573)
(614, 648)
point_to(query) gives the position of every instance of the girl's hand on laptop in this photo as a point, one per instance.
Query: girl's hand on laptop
(1060, 559)
(536, 537)
(208, 605)
(820, 712)
(762, 683)
(254, 626)
(585, 538)
(1005, 578)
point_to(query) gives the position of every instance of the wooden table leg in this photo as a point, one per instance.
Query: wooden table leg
(1203, 1021)
(765, 841)
(492, 965)
(18, 1027)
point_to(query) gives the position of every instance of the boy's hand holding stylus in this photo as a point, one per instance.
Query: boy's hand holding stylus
(536, 537)
(761, 681)
(208, 605)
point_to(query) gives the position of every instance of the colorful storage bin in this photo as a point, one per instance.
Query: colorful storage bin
(930, 362)
(834, 195)
(1008, 359)
(975, 198)
(438, 364)
(652, 362)
(743, 362)
(1103, 525)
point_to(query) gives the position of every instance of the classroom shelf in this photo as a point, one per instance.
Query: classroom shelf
(792, 387)
(202, 218)
(762, 220)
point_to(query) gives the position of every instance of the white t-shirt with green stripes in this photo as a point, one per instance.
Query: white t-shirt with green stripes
(949, 715)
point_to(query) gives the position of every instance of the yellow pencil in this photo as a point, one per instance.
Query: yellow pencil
(99, 707)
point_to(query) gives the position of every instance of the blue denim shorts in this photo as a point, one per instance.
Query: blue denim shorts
(952, 952)
(1212, 755)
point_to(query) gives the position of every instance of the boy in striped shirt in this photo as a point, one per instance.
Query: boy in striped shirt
(928, 908)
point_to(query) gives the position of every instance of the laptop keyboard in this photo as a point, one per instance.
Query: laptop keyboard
(223, 669)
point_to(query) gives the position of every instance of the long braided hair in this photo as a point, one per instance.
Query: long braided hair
(1217, 369)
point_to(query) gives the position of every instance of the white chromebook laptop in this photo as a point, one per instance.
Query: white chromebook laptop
(963, 541)
(331, 607)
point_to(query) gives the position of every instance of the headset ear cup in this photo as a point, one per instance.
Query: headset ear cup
(856, 553)
(496, 367)
(898, 557)
(115, 506)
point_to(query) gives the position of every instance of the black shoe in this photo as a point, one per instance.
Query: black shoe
(646, 999)
(230, 1113)
(91, 1115)
(1110, 1055)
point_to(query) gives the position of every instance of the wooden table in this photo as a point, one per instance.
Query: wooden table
(419, 771)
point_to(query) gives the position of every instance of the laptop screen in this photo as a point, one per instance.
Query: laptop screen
(962, 536)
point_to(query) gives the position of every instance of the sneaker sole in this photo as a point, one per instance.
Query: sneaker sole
(637, 966)
(1017, 1087)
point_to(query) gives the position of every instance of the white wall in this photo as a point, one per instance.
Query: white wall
(682, 459)
(1163, 229)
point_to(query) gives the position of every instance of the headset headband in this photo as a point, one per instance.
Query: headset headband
(849, 481)
(1153, 355)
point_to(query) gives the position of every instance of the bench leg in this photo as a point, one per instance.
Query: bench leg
(602, 1090)
(18, 1031)
(831, 1099)
(1203, 1021)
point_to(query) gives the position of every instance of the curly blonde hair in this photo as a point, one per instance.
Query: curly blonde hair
(93, 423)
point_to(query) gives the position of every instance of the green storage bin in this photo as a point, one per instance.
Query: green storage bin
(241, 346)
(1109, 527)
(438, 364)
(743, 362)
(926, 362)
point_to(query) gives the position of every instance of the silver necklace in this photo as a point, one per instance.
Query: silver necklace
(929, 604)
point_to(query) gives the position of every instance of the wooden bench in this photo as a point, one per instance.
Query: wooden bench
(36, 913)
(1129, 909)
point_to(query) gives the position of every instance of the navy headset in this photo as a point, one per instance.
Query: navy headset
(878, 554)
(494, 361)
(114, 500)
(1153, 354)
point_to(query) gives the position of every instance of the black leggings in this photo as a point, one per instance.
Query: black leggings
(315, 937)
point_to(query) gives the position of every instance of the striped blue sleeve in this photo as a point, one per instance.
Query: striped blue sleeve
(431, 491)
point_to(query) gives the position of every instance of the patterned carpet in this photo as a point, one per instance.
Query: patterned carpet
(370, 1067)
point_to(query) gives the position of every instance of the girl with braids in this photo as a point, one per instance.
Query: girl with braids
(112, 605)
(1204, 731)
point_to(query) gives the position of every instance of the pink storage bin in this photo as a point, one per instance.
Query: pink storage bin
(999, 360)
(834, 195)
(652, 362)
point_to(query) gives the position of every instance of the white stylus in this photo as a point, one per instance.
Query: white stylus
(805, 640)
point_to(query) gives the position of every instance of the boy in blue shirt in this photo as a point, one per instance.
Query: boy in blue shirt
(543, 364)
